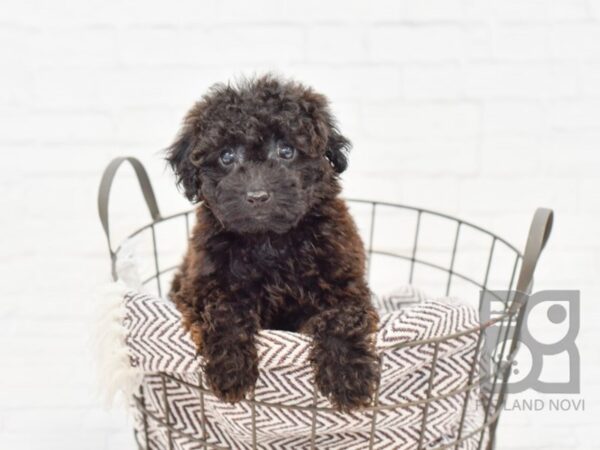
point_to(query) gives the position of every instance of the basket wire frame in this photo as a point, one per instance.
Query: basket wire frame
(491, 383)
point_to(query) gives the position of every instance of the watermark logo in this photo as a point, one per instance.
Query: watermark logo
(547, 359)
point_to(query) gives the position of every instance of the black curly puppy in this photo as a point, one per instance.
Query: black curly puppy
(274, 246)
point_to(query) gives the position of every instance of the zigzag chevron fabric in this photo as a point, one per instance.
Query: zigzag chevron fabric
(160, 348)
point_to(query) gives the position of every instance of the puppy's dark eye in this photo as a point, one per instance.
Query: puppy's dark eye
(286, 152)
(227, 157)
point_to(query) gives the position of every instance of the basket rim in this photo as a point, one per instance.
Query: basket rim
(374, 203)
(511, 308)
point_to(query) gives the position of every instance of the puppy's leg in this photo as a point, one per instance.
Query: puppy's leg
(343, 354)
(228, 346)
(222, 326)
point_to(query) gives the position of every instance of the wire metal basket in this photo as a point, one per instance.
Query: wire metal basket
(515, 278)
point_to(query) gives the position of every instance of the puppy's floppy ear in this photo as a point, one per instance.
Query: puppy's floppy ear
(178, 157)
(337, 150)
(322, 129)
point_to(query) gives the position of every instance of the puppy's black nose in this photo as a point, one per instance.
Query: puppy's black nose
(257, 196)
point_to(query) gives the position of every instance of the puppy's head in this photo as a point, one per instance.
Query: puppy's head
(260, 154)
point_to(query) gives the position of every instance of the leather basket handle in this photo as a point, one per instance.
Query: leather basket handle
(539, 233)
(104, 195)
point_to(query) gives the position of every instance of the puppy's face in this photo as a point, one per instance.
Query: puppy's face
(267, 186)
(259, 155)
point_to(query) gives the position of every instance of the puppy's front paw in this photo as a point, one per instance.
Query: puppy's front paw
(346, 373)
(232, 375)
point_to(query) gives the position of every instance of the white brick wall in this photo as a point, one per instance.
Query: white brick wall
(480, 108)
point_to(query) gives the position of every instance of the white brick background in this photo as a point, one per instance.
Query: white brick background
(479, 108)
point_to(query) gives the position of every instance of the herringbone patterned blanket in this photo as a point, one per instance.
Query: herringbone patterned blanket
(160, 351)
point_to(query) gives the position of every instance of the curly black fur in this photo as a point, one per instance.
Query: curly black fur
(273, 246)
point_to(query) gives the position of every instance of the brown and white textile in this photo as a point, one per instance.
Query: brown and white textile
(159, 348)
